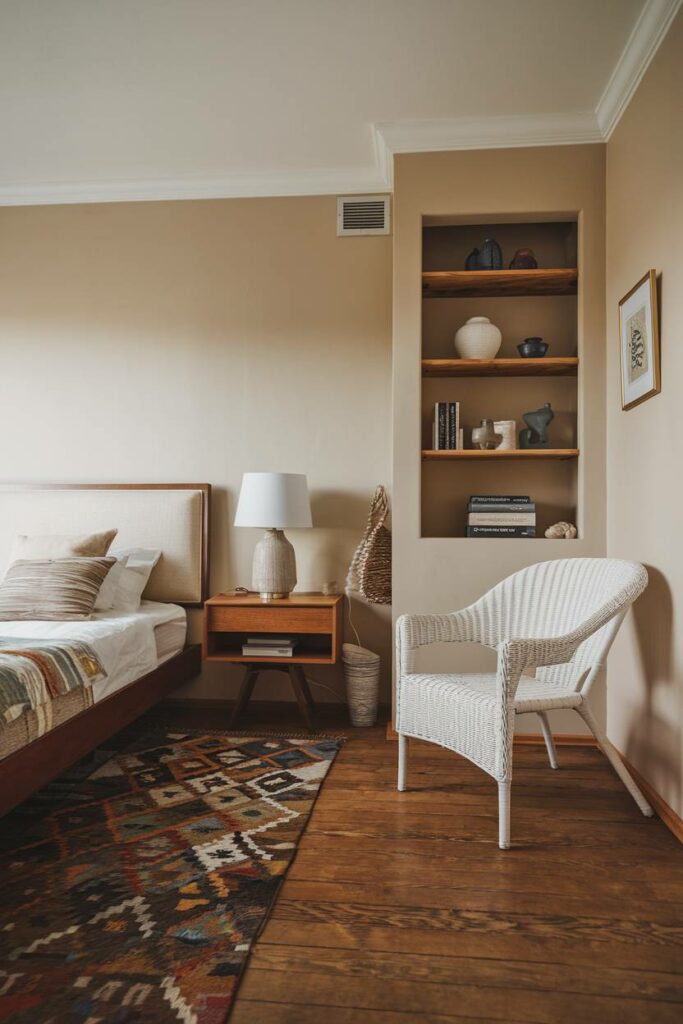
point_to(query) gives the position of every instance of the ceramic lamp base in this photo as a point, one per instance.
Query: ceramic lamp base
(274, 568)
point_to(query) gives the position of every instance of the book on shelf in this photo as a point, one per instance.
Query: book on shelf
(452, 424)
(501, 515)
(446, 430)
(271, 641)
(493, 507)
(268, 647)
(500, 499)
(501, 519)
(252, 651)
(501, 531)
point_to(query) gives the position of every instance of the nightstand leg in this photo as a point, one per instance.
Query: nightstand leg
(302, 693)
(246, 690)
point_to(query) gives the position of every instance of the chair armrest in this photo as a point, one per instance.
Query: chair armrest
(535, 652)
(523, 653)
(413, 631)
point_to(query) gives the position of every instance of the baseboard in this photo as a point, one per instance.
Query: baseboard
(225, 704)
(671, 819)
(275, 707)
(528, 738)
(562, 739)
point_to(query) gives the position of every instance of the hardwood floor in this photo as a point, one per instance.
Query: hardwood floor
(400, 907)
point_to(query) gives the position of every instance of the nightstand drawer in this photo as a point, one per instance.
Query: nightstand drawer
(269, 619)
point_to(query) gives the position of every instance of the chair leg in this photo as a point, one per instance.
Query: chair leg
(612, 756)
(402, 762)
(504, 815)
(548, 737)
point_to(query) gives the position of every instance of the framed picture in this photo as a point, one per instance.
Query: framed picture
(639, 339)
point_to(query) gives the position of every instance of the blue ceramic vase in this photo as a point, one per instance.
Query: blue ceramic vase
(490, 255)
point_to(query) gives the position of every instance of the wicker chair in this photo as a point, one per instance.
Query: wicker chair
(551, 625)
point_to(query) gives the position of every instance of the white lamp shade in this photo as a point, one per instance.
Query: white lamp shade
(274, 501)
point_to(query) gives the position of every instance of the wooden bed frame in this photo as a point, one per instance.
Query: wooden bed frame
(32, 766)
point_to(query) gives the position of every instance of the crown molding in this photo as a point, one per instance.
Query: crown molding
(343, 181)
(514, 131)
(648, 32)
(389, 138)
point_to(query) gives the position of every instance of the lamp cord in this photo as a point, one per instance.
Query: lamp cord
(351, 623)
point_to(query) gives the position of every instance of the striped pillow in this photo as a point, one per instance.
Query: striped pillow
(52, 588)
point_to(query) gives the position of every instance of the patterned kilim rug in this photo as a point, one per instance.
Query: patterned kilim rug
(133, 893)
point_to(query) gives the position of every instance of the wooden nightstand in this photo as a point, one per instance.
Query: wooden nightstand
(314, 620)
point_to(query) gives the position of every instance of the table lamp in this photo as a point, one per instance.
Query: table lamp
(274, 501)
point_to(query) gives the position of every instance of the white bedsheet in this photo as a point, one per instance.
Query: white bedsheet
(123, 641)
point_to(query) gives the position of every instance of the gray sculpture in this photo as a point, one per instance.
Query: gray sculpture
(536, 434)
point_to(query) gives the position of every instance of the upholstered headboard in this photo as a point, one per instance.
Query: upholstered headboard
(172, 517)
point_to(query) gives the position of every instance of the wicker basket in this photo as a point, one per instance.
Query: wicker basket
(361, 675)
(370, 570)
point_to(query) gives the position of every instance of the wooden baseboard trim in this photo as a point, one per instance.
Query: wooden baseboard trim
(531, 738)
(562, 739)
(671, 819)
(223, 706)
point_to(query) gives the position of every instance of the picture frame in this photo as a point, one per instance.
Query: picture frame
(639, 342)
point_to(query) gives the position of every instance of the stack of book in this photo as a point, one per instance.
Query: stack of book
(501, 515)
(268, 647)
(447, 435)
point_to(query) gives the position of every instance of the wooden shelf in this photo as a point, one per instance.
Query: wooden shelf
(474, 454)
(546, 367)
(300, 657)
(446, 284)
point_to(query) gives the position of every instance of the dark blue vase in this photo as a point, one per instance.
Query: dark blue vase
(472, 261)
(490, 255)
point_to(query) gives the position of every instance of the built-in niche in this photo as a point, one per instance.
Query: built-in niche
(540, 302)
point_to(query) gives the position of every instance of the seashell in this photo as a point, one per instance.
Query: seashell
(561, 531)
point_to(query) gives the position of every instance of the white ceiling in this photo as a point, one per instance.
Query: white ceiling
(116, 99)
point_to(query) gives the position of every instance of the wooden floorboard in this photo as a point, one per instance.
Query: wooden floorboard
(400, 908)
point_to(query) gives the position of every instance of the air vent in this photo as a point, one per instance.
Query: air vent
(363, 215)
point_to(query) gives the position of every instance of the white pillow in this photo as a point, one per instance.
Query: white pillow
(106, 599)
(138, 556)
(132, 571)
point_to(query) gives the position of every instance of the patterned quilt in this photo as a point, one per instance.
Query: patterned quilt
(34, 672)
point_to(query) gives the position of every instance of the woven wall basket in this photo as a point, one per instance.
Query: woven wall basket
(370, 570)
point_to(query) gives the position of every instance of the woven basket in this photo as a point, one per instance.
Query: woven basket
(370, 570)
(361, 675)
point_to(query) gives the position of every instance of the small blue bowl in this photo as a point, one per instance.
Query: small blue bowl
(532, 348)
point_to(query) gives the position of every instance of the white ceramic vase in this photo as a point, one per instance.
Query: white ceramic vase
(478, 339)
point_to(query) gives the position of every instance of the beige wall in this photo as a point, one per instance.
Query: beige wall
(441, 574)
(645, 444)
(194, 341)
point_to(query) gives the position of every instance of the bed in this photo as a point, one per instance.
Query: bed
(145, 653)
